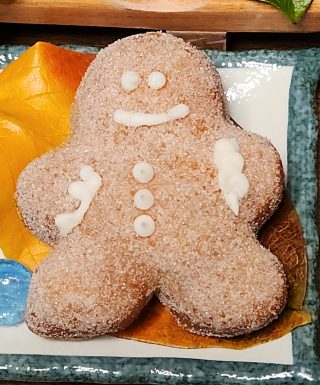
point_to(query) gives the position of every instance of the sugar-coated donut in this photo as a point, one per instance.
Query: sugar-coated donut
(211, 186)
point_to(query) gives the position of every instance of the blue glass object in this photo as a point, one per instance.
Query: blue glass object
(14, 286)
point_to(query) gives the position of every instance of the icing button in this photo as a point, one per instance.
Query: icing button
(143, 199)
(143, 172)
(144, 226)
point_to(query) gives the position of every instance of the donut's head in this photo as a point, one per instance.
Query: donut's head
(128, 84)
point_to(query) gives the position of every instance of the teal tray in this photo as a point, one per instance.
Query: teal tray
(302, 186)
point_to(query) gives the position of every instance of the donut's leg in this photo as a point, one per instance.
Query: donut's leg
(84, 290)
(236, 291)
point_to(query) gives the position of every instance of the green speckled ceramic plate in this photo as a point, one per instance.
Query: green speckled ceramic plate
(302, 185)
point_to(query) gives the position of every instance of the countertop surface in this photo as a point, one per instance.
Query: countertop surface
(195, 15)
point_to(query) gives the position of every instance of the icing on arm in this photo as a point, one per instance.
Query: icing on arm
(229, 162)
(83, 190)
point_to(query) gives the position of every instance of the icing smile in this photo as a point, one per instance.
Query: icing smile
(136, 119)
(131, 80)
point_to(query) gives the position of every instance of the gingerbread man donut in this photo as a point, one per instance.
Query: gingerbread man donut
(157, 192)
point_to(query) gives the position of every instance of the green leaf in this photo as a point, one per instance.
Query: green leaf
(294, 9)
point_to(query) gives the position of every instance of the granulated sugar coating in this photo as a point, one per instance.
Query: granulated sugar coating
(202, 261)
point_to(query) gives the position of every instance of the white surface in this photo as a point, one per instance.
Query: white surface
(18, 339)
(258, 101)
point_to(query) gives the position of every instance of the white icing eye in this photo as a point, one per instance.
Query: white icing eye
(130, 80)
(143, 172)
(143, 199)
(144, 226)
(156, 80)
